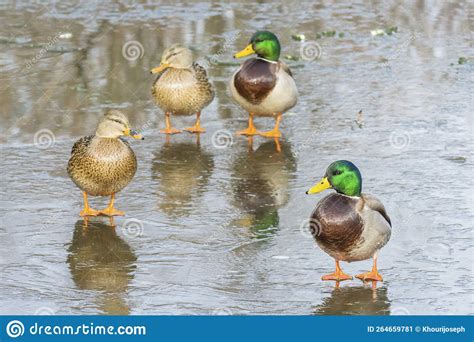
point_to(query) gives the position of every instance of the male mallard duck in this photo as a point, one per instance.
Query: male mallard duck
(349, 225)
(263, 86)
(181, 88)
(103, 164)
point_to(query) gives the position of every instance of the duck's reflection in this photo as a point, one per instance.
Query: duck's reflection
(260, 185)
(358, 300)
(182, 170)
(100, 260)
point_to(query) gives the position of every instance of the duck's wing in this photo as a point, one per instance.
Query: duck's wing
(286, 68)
(201, 76)
(81, 144)
(200, 72)
(374, 204)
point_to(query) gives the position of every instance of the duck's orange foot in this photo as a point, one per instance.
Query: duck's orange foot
(271, 134)
(248, 132)
(111, 212)
(89, 212)
(170, 131)
(195, 129)
(370, 276)
(337, 276)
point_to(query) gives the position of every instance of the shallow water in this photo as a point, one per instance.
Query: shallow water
(217, 226)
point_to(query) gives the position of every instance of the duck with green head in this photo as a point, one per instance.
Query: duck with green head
(263, 85)
(349, 225)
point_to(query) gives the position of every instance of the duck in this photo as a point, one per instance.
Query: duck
(103, 164)
(181, 87)
(263, 85)
(349, 225)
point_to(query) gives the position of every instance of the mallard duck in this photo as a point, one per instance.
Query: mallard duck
(263, 86)
(103, 164)
(348, 225)
(181, 88)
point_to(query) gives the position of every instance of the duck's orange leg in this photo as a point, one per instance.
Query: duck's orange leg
(275, 132)
(338, 275)
(169, 129)
(197, 126)
(87, 211)
(372, 275)
(251, 130)
(110, 210)
(277, 145)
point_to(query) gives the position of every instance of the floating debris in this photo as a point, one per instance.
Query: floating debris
(326, 34)
(462, 60)
(299, 37)
(457, 159)
(66, 35)
(378, 32)
(280, 257)
(359, 119)
(390, 30)
(387, 31)
(291, 58)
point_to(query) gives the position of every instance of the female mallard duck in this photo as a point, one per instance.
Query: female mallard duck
(349, 225)
(103, 164)
(181, 88)
(263, 86)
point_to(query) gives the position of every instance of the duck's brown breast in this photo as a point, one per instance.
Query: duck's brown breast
(102, 166)
(337, 225)
(255, 80)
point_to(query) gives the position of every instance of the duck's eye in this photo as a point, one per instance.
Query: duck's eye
(118, 121)
(337, 172)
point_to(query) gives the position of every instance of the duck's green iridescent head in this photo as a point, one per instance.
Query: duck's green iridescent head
(263, 43)
(342, 176)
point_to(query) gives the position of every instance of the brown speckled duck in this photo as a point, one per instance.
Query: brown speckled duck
(181, 88)
(103, 164)
(264, 85)
(349, 225)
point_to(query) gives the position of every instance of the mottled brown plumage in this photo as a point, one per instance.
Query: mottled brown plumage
(183, 91)
(101, 166)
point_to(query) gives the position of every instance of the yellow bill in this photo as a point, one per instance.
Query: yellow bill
(160, 68)
(245, 52)
(321, 186)
(133, 134)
